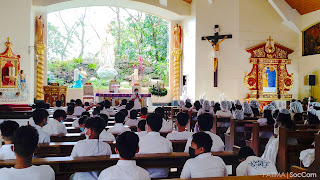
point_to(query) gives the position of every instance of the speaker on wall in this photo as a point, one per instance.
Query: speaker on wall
(312, 80)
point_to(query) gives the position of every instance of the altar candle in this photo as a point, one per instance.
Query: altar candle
(136, 75)
(163, 86)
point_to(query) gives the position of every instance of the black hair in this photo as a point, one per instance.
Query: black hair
(142, 125)
(39, 115)
(205, 122)
(59, 113)
(238, 107)
(202, 139)
(275, 114)
(197, 105)
(129, 106)
(144, 111)
(72, 101)
(97, 124)
(154, 121)
(183, 118)
(25, 141)
(124, 111)
(82, 120)
(78, 102)
(119, 117)
(312, 119)
(107, 104)
(160, 111)
(188, 105)
(255, 111)
(96, 111)
(127, 143)
(217, 107)
(70, 110)
(8, 128)
(124, 102)
(267, 114)
(58, 103)
(105, 118)
(136, 89)
(285, 121)
(133, 114)
(85, 113)
(86, 104)
(293, 100)
(245, 152)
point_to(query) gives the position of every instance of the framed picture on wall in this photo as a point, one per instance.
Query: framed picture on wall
(311, 40)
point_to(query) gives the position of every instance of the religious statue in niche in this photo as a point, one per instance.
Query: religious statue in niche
(39, 29)
(77, 79)
(269, 80)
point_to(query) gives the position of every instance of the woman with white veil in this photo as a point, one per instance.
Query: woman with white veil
(247, 109)
(224, 112)
(296, 110)
(206, 108)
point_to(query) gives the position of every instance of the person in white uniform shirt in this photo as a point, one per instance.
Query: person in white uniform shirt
(137, 100)
(118, 127)
(91, 146)
(251, 165)
(143, 113)
(205, 124)
(126, 168)
(133, 120)
(153, 142)
(181, 134)
(58, 106)
(104, 135)
(70, 111)
(122, 105)
(78, 109)
(202, 164)
(25, 142)
(141, 128)
(166, 126)
(55, 126)
(40, 117)
(107, 109)
(8, 129)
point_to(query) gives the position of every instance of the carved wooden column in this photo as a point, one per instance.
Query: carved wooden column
(40, 49)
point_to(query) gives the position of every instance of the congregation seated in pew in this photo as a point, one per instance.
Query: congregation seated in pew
(166, 126)
(104, 135)
(40, 118)
(78, 109)
(55, 126)
(181, 134)
(8, 128)
(133, 120)
(118, 126)
(141, 128)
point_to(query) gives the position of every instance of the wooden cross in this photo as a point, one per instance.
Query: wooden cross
(214, 40)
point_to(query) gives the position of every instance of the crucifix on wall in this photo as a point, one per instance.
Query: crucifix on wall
(214, 40)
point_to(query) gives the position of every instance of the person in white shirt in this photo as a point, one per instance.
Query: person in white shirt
(82, 123)
(104, 135)
(25, 142)
(205, 124)
(166, 126)
(58, 106)
(107, 109)
(118, 127)
(267, 116)
(8, 129)
(70, 111)
(91, 146)
(251, 165)
(181, 134)
(225, 111)
(202, 164)
(122, 105)
(40, 118)
(206, 108)
(141, 128)
(126, 168)
(143, 113)
(78, 109)
(55, 126)
(137, 100)
(133, 121)
(153, 142)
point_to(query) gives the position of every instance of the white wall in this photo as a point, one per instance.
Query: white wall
(16, 22)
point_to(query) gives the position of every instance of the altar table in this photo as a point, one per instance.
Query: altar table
(115, 98)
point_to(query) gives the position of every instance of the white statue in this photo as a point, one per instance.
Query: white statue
(107, 56)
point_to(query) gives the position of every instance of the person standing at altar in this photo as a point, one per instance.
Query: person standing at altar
(137, 100)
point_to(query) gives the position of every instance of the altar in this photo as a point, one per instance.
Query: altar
(115, 98)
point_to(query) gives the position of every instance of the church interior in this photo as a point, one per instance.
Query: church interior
(243, 73)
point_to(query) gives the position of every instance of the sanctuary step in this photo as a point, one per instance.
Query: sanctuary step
(15, 107)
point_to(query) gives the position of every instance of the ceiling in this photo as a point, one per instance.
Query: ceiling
(304, 6)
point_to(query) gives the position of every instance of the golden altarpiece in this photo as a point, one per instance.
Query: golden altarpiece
(269, 79)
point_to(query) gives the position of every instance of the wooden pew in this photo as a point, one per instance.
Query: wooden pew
(220, 130)
(68, 165)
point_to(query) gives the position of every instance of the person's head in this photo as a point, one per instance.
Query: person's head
(274, 104)
(312, 117)
(144, 111)
(96, 111)
(154, 122)
(296, 107)
(25, 142)
(188, 105)
(284, 119)
(82, 122)
(58, 103)
(183, 119)
(94, 126)
(224, 106)
(129, 106)
(136, 91)
(72, 101)
(267, 114)
(78, 102)
(127, 145)
(119, 117)
(8, 129)
(238, 107)
(60, 115)
(217, 107)
(142, 125)
(205, 122)
(160, 111)
(40, 116)
(275, 113)
(238, 114)
(212, 103)
(197, 105)
(124, 111)
(85, 113)
(201, 101)
(107, 104)
(104, 117)
(181, 103)
(245, 152)
(206, 105)
(246, 108)
(133, 114)
(201, 143)
(86, 104)
(124, 102)
(70, 110)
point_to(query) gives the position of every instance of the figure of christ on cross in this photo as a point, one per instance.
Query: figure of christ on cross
(214, 41)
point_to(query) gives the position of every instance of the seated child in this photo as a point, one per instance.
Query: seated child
(58, 106)
(55, 126)
(181, 134)
(133, 121)
(25, 142)
(40, 117)
(78, 109)
(122, 105)
(70, 111)
(166, 126)
(118, 126)
(107, 109)
(8, 129)
(126, 168)
(142, 128)
(104, 135)
(202, 164)
(143, 113)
